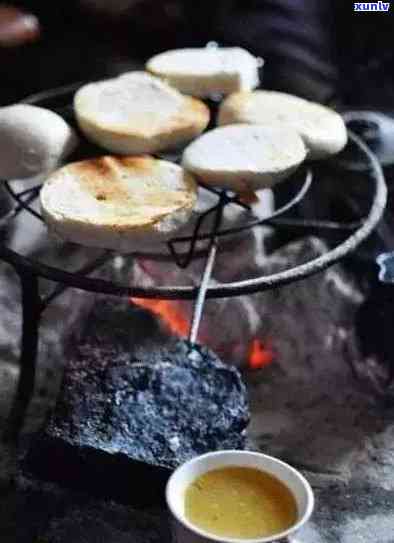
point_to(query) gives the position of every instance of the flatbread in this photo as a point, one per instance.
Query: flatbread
(207, 71)
(245, 158)
(322, 129)
(137, 113)
(119, 203)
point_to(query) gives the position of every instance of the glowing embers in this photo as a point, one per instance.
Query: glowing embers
(261, 354)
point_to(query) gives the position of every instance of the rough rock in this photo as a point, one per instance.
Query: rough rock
(124, 420)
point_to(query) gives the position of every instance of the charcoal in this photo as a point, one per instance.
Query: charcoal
(123, 420)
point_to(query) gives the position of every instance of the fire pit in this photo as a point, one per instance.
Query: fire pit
(31, 271)
(202, 251)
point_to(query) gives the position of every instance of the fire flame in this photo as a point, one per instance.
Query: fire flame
(169, 312)
(260, 355)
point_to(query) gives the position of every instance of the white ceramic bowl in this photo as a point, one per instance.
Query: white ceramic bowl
(185, 532)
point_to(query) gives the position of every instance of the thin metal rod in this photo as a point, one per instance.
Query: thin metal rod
(231, 199)
(22, 203)
(28, 356)
(14, 212)
(20, 208)
(310, 224)
(183, 261)
(53, 93)
(202, 291)
(7, 217)
(36, 189)
(199, 304)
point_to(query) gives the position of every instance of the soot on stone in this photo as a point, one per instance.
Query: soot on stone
(124, 421)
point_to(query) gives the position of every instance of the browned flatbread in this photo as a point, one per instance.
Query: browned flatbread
(119, 203)
(137, 113)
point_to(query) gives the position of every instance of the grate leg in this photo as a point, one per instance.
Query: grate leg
(31, 304)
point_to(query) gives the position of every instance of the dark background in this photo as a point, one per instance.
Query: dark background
(319, 49)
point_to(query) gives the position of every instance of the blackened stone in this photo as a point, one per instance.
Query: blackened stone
(124, 420)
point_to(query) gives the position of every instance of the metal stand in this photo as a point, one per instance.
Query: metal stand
(30, 270)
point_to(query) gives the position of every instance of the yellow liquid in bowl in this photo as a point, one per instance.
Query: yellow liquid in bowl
(240, 502)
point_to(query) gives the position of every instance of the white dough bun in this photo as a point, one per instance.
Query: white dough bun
(33, 141)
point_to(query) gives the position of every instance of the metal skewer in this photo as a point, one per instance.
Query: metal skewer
(206, 277)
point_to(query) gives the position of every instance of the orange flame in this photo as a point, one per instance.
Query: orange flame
(260, 355)
(168, 311)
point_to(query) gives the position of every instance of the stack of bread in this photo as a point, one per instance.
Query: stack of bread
(129, 197)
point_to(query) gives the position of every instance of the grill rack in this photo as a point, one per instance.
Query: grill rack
(30, 271)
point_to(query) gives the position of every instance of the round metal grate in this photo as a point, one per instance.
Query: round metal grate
(60, 100)
(204, 241)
